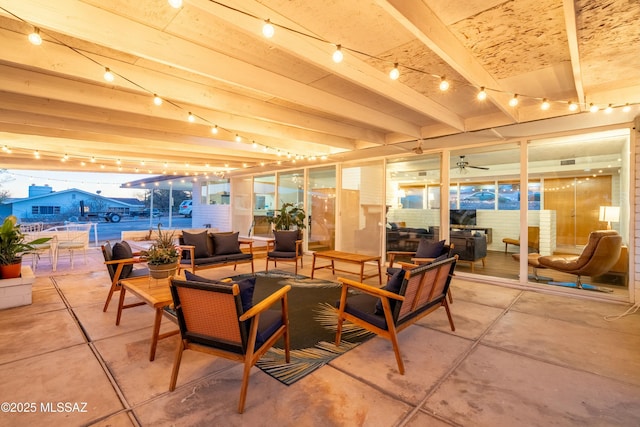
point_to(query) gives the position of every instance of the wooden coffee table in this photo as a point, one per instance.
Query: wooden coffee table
(348, 257)
(154, 292)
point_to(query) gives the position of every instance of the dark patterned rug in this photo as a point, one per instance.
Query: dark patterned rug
(312, 323)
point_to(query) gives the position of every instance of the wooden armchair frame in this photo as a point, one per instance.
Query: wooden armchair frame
(211, 321)
(423, 290)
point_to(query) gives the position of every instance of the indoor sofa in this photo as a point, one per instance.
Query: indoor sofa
(469, 246)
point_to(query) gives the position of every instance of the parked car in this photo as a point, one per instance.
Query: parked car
(185, 208)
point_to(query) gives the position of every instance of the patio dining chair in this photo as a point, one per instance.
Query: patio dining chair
(212, 320)
(286, 246)
(72, 238)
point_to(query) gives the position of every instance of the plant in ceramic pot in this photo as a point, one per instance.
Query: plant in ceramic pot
(163, 255)
(13, 245)
(290, 217)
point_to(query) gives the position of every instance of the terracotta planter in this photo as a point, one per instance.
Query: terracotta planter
(10, 271)
(162, 271)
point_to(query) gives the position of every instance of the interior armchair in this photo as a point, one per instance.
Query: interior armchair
(427, 252)
(215, 318)
(599, 255)
(286, 246)
(533, 237)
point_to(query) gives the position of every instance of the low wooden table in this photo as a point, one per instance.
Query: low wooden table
(346, 257)
(154, 292)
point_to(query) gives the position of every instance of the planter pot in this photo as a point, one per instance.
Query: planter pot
(17, 292)
(10, 271)
(162, 271)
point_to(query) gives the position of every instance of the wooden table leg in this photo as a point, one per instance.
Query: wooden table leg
(361, 272)
(313, 265)
(333, 267)
(120, 305)
(156, 332)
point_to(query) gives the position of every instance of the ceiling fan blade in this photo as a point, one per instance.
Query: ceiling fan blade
(478, 167)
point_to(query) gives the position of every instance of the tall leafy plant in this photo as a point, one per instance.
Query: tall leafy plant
(13, 242)
(290, 217)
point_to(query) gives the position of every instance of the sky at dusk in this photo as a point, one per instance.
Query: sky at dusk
(17, 182)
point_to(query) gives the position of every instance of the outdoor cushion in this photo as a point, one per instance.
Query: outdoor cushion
(122, 250)
(226, 243)
(246, 286)
(429, 248)
(393, 285)
(200, 241)
(363, 306)
(286, 240)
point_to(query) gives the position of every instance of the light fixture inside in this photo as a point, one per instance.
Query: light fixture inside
(267, 29)
(337, 55)
(35, 37)
(394, 74)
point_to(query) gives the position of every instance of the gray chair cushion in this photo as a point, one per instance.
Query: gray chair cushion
(286, 240)
(429, 248)
(226, 243)
(200, 241)
(122, 250)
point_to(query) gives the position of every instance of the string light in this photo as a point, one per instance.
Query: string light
(394, 74)
(191, 117)
(482, 95)
(108, 75)
(176, 4)
(337, 55)
(35, 37)
(267, 29)
(626, 108)
(573, 106)
(238, 138)
(545, 104)
(157, 100)
(593, 108)
(609, 109)
(444, 84)
(214, 130)
(514, 101)
(36, 154)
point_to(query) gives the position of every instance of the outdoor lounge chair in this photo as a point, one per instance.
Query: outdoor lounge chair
(212, 320)
(407, 297)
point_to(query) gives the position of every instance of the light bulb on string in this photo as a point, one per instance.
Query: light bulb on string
(394, 74)
(545, 104)
(157, 100)
(609, 109)
(593, 108)
(108, 75)
(214, 130)
(35, 37)
(176, 4)
(444, 84)
(267, 29)
(238, 138)
(573, 106)
(191, 117)
(514, 101)
(626, 108)
(482, 95)
(337, 55)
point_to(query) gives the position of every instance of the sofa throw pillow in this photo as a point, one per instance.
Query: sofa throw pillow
(226, 243)
(393, 285)
(286, 240)
(122, 250)
(429, 248)
(200, 241)
(246, 287)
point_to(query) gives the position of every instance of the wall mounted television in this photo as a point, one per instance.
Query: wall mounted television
(462, 217)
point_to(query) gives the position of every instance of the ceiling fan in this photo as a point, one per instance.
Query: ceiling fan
(463, 165)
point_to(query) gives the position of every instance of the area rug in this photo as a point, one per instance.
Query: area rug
(312, 323)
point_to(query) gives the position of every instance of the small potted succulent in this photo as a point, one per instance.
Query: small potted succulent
(13, 245)
(163, 255)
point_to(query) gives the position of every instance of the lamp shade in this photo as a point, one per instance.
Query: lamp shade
(610, 213)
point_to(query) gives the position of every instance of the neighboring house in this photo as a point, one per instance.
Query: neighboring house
(44, 204)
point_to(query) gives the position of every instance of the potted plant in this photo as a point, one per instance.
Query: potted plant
(163, 255)
(13, 246)
(289, 217)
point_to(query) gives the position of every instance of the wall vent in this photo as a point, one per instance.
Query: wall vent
(567, 162)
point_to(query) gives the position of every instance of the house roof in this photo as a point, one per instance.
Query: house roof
(285, 93)
(121, 202)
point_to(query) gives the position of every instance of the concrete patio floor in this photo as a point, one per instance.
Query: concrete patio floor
(517, 357)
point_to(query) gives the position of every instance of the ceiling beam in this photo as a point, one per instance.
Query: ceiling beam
(574, 51)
